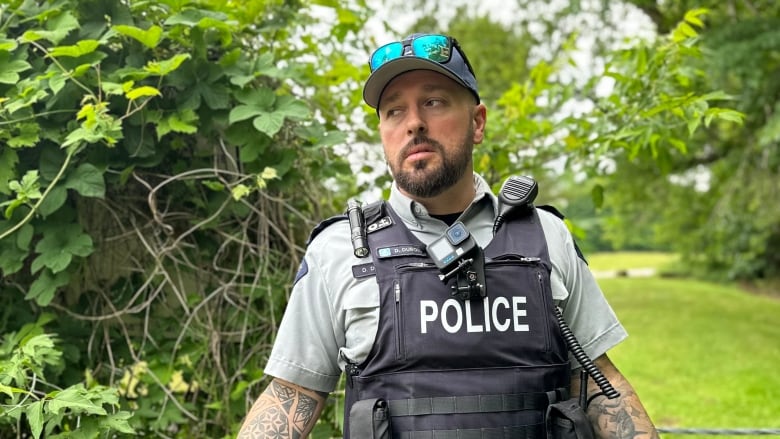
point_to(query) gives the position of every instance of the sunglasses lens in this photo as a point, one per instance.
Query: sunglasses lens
(386, 53)
(433, 47)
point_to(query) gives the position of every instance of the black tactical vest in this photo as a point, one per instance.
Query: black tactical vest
(449, 368)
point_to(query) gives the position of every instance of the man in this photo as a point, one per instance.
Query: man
(483, 364)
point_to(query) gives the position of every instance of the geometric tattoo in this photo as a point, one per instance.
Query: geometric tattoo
(281, 412)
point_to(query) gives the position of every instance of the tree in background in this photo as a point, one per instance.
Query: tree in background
(660, 150)
(719, 209)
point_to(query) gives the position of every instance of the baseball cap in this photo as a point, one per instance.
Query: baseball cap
(419, 51)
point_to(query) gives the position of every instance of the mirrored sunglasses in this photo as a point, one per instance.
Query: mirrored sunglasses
(437, 48)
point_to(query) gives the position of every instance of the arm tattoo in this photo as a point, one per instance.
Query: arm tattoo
(280, 412)
(620, 418)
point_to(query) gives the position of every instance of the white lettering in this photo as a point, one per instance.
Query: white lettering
(503, 315)
(500, 327)
(425, 317)
(470, 326)
(517, 302)
(454, 304)
(486, 309)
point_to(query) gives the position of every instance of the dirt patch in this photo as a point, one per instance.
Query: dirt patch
(762, 287)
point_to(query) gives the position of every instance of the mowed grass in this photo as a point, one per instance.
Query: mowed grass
(700, 355)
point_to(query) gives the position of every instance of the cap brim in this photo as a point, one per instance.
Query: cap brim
(378, 80)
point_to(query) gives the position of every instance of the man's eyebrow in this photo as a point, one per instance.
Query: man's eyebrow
(428, 87)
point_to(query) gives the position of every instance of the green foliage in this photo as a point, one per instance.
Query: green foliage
(709, 201)
(161, 164)
(78, 411)
(645, 107)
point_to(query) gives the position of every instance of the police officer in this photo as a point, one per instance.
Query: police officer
(486, 366)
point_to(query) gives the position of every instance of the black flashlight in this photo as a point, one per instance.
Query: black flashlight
(357, 229)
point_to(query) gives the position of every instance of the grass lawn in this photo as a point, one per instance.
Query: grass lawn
(700, 355)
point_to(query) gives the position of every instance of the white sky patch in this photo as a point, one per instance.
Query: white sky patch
(698, 178)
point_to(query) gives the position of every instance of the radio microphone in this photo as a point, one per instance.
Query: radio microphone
(357, 229)
(517, 192)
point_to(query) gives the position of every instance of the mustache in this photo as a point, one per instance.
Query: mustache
(419, 140)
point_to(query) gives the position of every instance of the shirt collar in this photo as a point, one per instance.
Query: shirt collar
(415, 214)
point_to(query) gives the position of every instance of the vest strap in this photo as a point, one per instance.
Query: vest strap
(518, 432)
(445, 405)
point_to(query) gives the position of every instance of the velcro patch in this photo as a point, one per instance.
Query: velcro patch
(363, 270)
(379, 224)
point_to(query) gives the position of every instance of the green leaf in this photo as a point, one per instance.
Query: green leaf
(88, 181)
(262, 98)
(27, 136)
(292, 108)
(12, 259)
(269, 123)
(43, 288)
(8, 45)
(57, 249)
(74, 400)
(149, 38)
(53, 201)
(167, 66)
(112, 88)
(34, 414)
(57, 27)
(180, 122)
(214, 185)
(24, 237)
(7, 390)
(693, 15)
(243, 112)
(8, 160)
(192, 17)
(10, 68)
(118, 422)
(7, 77)
(81, 48)
(143, 91)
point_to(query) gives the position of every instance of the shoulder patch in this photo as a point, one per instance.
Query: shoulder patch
(303, 270)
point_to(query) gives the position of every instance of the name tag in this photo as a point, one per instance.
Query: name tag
(400, 250)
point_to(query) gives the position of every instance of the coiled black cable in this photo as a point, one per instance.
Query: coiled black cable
(583, 359)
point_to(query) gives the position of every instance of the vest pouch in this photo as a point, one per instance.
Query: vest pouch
(567, 420)
(370, 419)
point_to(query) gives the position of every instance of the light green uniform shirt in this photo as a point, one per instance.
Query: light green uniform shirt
(332, 317)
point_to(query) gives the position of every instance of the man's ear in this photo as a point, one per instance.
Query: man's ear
(480, 118)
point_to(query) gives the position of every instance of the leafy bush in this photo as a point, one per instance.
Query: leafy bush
(159, 171)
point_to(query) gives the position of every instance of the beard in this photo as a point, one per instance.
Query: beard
(426, 181)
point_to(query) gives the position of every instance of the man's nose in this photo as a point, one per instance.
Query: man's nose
(415, 123)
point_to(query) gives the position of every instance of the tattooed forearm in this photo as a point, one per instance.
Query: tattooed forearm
(283, 410)
(621, 418)
(618, 418)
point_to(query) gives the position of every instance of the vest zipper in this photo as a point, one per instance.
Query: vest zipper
(399, 330)
(547, 312)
